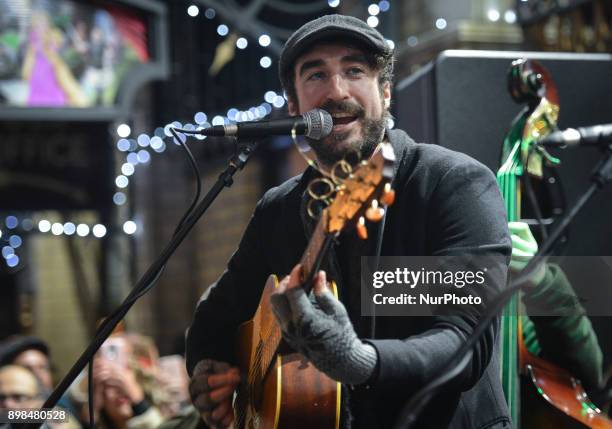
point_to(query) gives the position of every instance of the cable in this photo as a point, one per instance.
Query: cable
(134, 295)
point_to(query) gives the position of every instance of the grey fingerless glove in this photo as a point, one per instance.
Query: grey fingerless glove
(321, 330)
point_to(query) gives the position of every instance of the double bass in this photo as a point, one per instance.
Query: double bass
(553, 397)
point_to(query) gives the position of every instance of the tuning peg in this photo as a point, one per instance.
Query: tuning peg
(388, 196)
(375, 213)
(362, 231)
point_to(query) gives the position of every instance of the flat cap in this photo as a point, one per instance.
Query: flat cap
(15, 345)
(329, 27)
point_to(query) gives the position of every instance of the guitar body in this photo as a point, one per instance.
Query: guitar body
(287, 392)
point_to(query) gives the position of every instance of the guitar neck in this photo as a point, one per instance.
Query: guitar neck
(315, 252)
(310, 261)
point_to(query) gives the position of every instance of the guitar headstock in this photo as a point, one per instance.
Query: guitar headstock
(363, 192)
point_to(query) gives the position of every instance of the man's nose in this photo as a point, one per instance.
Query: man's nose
(338, 88)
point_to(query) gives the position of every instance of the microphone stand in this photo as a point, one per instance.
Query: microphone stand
(237, 162)
(414, 406)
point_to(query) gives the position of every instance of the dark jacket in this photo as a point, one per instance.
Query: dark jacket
(446, 203)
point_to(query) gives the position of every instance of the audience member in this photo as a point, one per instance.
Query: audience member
(30, 352)
(19, 388)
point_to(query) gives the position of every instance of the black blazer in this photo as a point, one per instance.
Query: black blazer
(446, 203)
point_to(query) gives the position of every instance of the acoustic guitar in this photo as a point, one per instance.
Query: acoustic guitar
(282, 388)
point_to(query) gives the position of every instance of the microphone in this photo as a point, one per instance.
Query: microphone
(315, 124)
(584, 136)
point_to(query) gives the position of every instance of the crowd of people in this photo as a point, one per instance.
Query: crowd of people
(134, 388)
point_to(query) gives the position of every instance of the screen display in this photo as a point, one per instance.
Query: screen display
(65, 53)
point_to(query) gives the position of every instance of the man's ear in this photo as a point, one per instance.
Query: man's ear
(292, 107)
(387, 94)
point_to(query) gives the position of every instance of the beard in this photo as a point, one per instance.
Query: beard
(337, 146)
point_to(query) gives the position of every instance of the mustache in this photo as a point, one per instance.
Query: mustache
(344, 107)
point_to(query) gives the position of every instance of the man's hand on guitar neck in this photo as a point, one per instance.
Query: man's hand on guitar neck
(321, 330)
(212, 388)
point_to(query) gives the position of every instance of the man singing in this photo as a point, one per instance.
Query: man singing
(446, 204)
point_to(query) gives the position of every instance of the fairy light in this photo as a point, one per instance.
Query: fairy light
(99, 230)
(129, 227)
(265, 62)
(441, 23)
(124, 130)
(264, 40)
(222, 30)
(493, 15)
(193, 11)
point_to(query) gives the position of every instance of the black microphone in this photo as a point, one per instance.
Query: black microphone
(584, 136)
(315, 124)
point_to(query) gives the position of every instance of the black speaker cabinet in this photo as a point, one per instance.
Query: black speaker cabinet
(461, 101)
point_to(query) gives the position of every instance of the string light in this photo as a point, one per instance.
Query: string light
(493, 15)
(242, 43)
(372, 21)
(123, 145)
(99, 230)
(373, 9)
(510, 16)
(57, 228)
(384, 5)
(119, 198)
(222, 30)
(12, 261)
(15, 241)
(157, 143)
(193, 11)
(127, 169)
(7, 251)
(265, 62)
(441, 23)
(11, 222)
(137, 155)
(44, 226)
(144, 156)
(144, 140)
(82, 230)
(264, 40)
(124, 130)
(69, 228)
(129, 227)
(333, 3)
(210, 13)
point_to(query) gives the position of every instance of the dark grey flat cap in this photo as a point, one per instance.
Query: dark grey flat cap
(328, 27)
